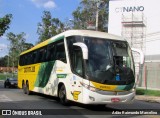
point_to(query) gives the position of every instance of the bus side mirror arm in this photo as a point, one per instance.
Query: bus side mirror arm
(141, 54)
(84, 49)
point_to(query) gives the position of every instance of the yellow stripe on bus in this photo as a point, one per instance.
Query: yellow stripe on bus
(104, 86)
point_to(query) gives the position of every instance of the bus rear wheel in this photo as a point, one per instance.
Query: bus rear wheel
(62, 95)
(24, 88)
(28, 92)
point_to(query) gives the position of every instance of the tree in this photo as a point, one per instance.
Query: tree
(49, 27)
(27, 46)
(3, 61)
(86, 14)
(17, 45)
(4, 23)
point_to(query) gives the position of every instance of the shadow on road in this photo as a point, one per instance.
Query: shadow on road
(79, 106)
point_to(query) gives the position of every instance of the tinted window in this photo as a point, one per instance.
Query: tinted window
(53, 51)
(50, 52)
(60, 52)
(75, 55)
(41, 56)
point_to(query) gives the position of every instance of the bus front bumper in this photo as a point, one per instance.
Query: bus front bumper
(90, 97)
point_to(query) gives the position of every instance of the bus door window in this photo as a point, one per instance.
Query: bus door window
(77, 60)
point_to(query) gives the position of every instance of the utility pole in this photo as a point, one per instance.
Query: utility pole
(98, 2)
(97, 14)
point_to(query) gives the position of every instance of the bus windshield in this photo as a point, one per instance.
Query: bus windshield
(109, 61)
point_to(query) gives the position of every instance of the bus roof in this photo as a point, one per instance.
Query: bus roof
(92, 33)
(88, 33)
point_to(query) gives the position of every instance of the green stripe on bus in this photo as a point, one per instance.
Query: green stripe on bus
(61, 75)
(44, 74)
(125, 87)
(57, 39)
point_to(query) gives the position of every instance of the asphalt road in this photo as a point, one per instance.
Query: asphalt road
(14, 99)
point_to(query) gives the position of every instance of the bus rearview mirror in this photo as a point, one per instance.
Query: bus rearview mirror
(140, 53)
(84, 49)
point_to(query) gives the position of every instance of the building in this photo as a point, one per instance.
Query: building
(138, 21)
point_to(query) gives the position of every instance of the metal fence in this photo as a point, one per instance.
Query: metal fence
(149, 76)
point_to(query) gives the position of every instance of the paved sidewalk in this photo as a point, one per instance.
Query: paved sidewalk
(1, 81)
(148, 98)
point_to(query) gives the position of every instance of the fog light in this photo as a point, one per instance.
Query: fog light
(92, 98)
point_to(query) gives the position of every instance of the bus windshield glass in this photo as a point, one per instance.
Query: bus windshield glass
(109, 61)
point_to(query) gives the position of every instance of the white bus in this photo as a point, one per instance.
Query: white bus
(88, 67)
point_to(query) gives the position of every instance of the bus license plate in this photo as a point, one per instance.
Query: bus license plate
(115, 99)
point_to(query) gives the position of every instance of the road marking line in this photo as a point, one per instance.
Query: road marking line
(4, 98)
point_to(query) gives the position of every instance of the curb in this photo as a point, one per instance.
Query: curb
(152, 99)
(1, 81)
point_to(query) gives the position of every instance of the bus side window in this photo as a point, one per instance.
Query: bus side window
(43, 59)
(60, 52)
(41, 55)
(21, 60)
(29, 58)
(50, 52)
(24, 60)
(34, 57)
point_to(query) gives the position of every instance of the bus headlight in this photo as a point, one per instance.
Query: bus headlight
(89, 87)
(134, 88)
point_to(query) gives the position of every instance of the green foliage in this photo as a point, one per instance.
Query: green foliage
(6, 75)
(3, 61)
(86, 13)
(17, 45)
(27, 46)
(148, 92)
(4, 23)
(49, 27)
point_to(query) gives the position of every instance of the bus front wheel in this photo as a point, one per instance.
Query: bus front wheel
(62, 95)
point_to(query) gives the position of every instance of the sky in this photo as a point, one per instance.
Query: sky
(27, 14)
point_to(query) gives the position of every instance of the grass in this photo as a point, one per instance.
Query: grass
(148, 92)
(4, 76)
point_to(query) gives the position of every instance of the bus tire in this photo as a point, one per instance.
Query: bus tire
(24, 88)
(62, 95)
(28, 92)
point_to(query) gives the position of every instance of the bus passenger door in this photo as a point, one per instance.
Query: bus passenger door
(77, 69)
